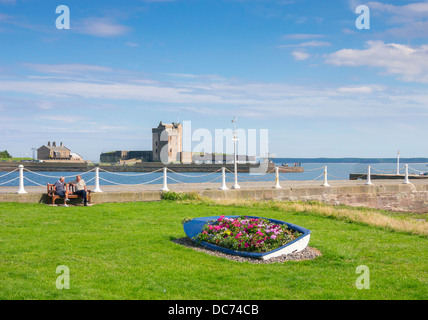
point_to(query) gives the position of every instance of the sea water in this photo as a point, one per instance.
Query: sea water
(312, 171)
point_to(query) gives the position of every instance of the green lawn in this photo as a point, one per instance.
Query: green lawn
(124, 251)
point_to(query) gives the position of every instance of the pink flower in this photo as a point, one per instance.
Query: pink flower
(273, 236)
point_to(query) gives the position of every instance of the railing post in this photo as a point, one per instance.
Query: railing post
(236, 185)
(165, 180)
(277, 185)
(369, 179)
(406, 175)
(325, 184)
(235, 158)
(223, 179)
(21, 189)
(97, 180)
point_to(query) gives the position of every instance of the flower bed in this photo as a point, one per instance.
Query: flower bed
(246, 234)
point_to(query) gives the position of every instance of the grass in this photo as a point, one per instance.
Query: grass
(413, 223)
(124, 251)
(16, 159)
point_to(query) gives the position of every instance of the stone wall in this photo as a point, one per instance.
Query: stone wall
(397, 197)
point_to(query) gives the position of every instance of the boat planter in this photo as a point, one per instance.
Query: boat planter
(194, 227)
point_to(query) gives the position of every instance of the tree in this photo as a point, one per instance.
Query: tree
(5, 154)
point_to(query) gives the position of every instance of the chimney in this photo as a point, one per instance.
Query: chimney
(61, 144)
(53, 144)
(49, 143)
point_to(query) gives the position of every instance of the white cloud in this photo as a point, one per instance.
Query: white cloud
(45, 105)
(100, 27)
(62, 118)
(404, 12)
(66, 68)
(208, 96)
(302, 36)
(132, 44)
(406, 21)
(5, 17)
(300, 55)
(364, 89)
(409, 63)
(307, 44)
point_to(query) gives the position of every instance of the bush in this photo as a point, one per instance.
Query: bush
(179, 196)
(5, 154)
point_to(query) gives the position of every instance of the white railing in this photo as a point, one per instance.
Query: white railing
(223, 175)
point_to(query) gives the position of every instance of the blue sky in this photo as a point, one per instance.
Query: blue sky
(300, 69)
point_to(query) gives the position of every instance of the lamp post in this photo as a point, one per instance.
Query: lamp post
(34, 153)
(235, 140)
(398, 162)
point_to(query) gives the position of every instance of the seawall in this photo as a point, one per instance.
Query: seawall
(356, 176)
(139, 167)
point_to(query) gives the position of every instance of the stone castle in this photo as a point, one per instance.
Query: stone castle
(167, 146)
(167, 139)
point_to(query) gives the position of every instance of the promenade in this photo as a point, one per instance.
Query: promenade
(189, 187)
(382, 194)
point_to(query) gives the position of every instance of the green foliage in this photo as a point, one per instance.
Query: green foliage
(186, 220)
(126, 251)
(180, 196)
(5, 155)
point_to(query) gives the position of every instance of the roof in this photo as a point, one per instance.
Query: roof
(173, 125)
(56, 148)
(75, 155)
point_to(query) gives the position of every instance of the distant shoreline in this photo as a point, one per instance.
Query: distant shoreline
(140, 167)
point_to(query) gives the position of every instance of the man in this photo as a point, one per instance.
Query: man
(80, 189)
(61, 189)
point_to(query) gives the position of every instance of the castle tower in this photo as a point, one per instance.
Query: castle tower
(167, 142)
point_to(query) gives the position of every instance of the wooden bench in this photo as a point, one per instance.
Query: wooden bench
(52, 196)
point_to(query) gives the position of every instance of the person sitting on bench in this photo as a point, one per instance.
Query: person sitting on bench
(80, 189)
(61, 189)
